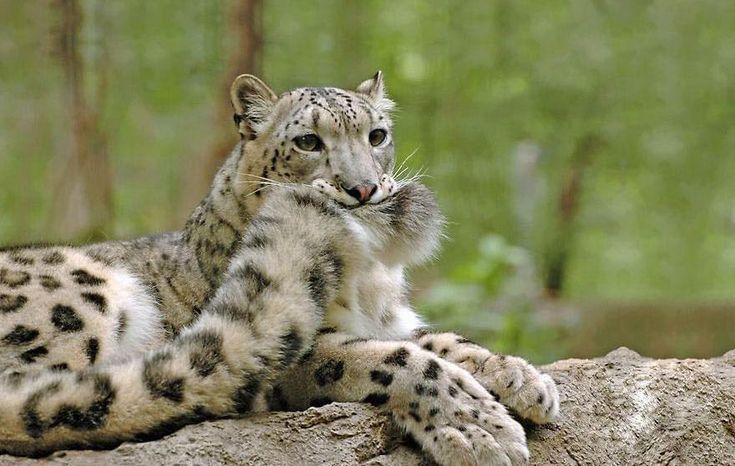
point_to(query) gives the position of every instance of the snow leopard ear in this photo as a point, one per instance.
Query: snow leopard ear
(374, 89)
(253, 101)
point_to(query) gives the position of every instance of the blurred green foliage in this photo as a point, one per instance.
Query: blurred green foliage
(651, 79)
(494, 298)
(475, 81)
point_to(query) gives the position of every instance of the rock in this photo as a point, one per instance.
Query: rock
(619, 409)
(627, 409)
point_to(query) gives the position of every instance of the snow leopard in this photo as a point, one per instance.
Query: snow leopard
(285, 289)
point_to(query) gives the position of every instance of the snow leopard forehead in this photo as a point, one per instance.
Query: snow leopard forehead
(257, 106)
(333, 108)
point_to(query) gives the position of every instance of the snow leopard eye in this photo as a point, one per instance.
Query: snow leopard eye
(309, 143)
(377, 136)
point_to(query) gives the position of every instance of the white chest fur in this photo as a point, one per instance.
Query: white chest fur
(376, 307)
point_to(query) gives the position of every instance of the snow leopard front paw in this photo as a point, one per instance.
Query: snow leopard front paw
(516, 383)
(458, 422)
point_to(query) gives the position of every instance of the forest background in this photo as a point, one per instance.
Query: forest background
(582, 151)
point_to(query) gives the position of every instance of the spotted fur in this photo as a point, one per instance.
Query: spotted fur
(291, 269)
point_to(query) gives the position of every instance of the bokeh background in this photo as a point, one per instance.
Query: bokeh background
(581, 150)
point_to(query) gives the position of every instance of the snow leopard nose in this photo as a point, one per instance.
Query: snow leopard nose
(361, 192)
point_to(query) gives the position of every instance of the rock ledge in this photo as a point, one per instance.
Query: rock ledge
(619, 409)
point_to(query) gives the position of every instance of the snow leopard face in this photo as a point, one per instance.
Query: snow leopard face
(335, 139)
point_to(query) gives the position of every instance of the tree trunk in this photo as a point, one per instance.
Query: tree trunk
(619, 409)
(557, 255)
(245, 56)
(82, 206)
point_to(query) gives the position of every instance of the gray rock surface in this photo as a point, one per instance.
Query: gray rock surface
(619, 409)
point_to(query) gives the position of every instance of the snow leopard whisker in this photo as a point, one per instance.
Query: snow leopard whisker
(261, 180)
(404, 161)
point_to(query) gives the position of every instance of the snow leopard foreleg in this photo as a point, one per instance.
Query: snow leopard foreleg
(516, 383)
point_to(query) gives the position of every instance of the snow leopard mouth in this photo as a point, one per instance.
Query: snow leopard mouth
(383, 191)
